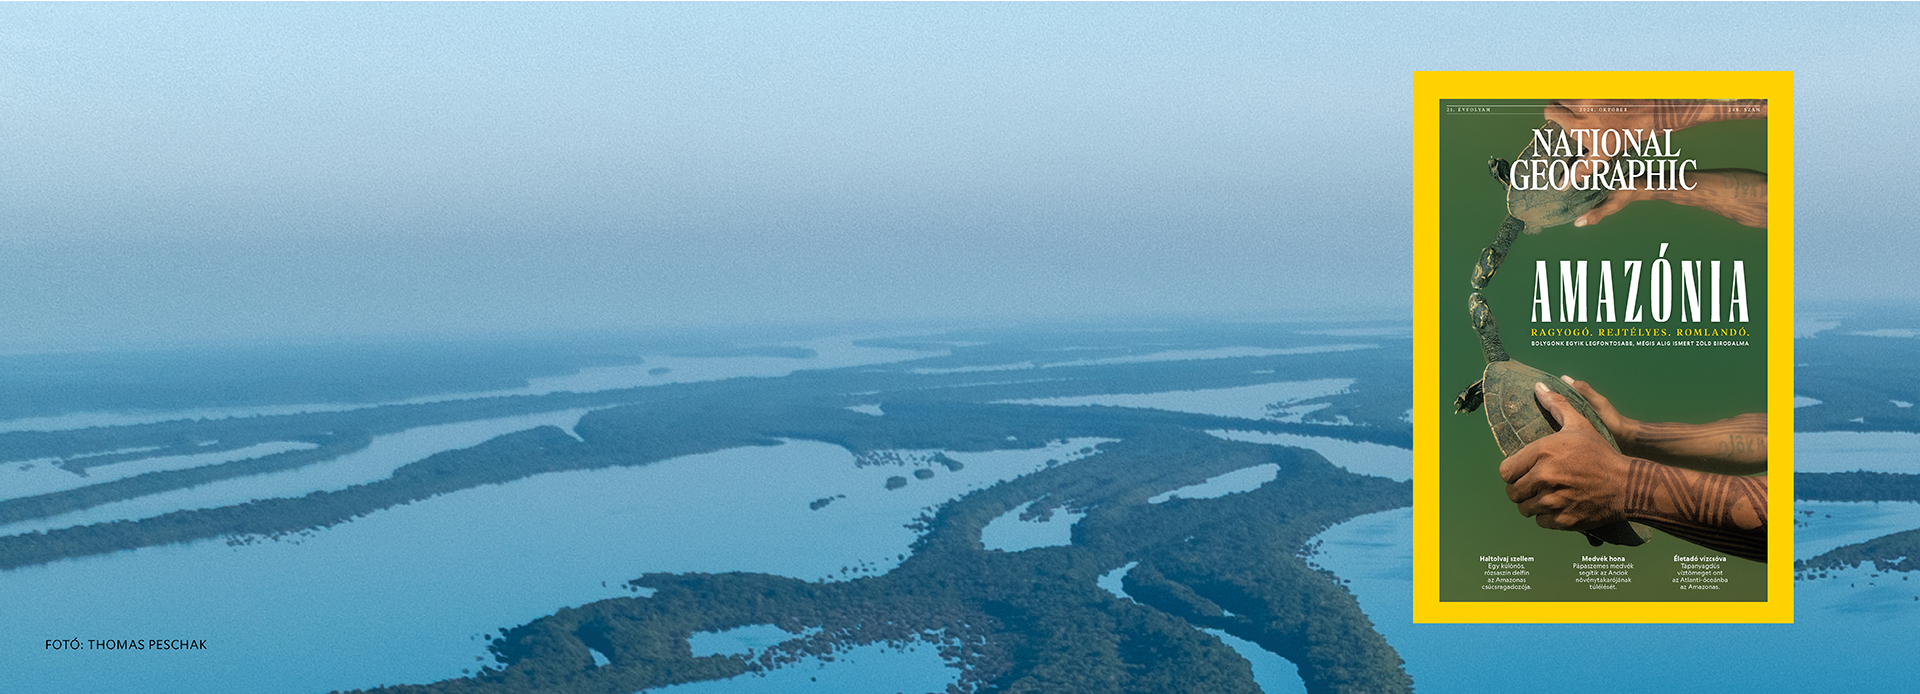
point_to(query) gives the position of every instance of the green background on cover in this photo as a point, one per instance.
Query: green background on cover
(1671, 384)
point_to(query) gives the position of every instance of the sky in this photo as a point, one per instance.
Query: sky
(180, 174)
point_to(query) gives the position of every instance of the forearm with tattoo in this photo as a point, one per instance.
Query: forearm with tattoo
(1720, 512)
(1677, 114)
(1733, 446)
(1737, 194)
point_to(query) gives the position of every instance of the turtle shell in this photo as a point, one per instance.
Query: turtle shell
(1517, 419)
(1550, 208)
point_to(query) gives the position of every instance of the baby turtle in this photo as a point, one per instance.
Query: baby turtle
(1517, 418)
(1532, 210)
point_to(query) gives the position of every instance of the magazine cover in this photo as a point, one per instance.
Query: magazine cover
(1609, 342)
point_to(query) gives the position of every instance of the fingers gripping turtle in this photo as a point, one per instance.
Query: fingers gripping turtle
(1517, 418)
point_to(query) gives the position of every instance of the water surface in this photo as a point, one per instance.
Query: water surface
(1242, 480)
(1008, 533)
(1845, 451)
(44, 476)
(1357, 457)
(1856, 626)
(1274, 674)
(375, 462)
(1245, 402)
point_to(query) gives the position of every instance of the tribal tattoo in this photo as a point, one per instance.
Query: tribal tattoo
(1737, 445)
(1720, 512)
(1678, 114)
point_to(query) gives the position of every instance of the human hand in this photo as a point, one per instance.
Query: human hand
(1571, 479)
(1625, 117)
(1737, 194)
(1616, 200)
(1625, 430)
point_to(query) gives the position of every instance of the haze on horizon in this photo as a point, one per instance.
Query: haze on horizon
(186, 173)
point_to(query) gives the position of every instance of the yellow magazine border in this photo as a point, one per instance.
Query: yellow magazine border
(1428, 89)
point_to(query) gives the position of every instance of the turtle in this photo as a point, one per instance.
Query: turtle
(1517, 418)
(1532, 210)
